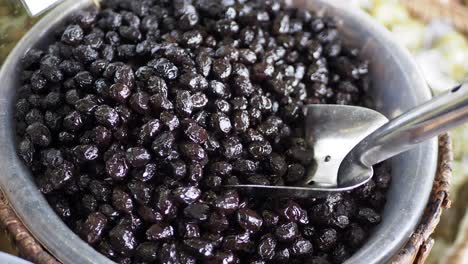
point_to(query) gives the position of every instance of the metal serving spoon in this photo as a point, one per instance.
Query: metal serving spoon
(349, 140)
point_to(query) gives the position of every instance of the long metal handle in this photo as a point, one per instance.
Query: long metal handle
(430, 119)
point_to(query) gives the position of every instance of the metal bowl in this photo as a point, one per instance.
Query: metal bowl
(396, 86)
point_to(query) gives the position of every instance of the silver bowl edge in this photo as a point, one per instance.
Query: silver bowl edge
(413, 172)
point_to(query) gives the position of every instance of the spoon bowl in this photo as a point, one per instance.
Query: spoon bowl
(333, 131)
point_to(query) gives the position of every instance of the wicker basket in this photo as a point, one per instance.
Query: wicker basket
(415, 251)
(452, 10)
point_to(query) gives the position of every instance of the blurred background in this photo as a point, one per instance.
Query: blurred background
(434, 31)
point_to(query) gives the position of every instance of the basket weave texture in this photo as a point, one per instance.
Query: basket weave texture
(452, 10)
(415, 251)
(419, 246)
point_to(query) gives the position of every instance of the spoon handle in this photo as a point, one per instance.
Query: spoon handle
(430, 119)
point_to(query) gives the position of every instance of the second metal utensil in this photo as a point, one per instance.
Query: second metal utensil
(38, 7)
(349, 140)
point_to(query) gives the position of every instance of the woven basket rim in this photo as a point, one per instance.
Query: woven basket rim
(416, 249)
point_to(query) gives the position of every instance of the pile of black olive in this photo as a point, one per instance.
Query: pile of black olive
(134, 118)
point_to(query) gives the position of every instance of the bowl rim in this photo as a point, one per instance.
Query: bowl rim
(16, 181)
